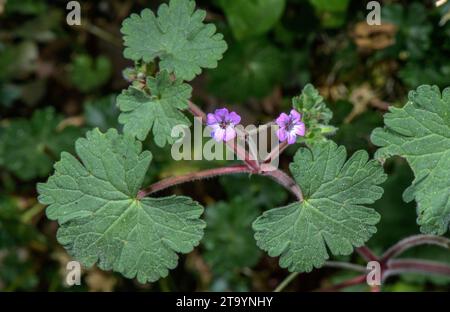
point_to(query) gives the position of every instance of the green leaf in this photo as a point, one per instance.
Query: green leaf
(88, 74)
(315, 114)
(420, 132)
(393, 210)
(264, 193)
(310, 100)
(330, 5)
(332, 214)
(13, 231)
(43, 28)
(103, 221)
(249, 69)
(431, 71)
(9, 93)
(19, 270)
(228, 241)
(177, 37)
(28, 148)
(18, 60)
(331, 12)
(159, 111)
(413, 37)
(250, 18)
(32, 7)
(102, 113)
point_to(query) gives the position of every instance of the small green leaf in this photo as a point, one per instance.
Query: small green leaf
(250, 69)
(332, 214)
(103, 221)
(315, 114)
(420, 132)
(252, 18)
(88, 74)
(28, 148)
(160, 110)
(177, 37)
(228, 241)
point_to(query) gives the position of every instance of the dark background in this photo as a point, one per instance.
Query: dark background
(67, 77)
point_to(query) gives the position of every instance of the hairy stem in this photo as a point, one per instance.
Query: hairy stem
(395, 267)
(286, 181)
(197, 111)
(366, 253)
(345, 266)
(276, 152)
(169, 182)
(414, 241)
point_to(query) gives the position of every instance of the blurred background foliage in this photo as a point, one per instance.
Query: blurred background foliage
(57, 81)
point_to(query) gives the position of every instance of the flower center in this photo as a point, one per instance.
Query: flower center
(290, 125)
(224, 124)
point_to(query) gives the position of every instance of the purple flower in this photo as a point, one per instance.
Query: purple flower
(222, 123)
(290, 127)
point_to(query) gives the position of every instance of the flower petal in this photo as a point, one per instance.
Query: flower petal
(282, 134)
(295, 116)
(283, 120)
(230, 133)
(291, 138)
(218, 134)
(234, 118)
(299, 129)
(211, 119)
(221, 114)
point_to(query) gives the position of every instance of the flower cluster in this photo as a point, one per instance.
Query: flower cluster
(223, 123)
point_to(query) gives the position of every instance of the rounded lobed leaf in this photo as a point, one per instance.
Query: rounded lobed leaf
(420, 132)
(332, 214)
(177, 36)
(102, 220)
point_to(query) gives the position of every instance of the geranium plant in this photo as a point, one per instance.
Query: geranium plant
(108, 218)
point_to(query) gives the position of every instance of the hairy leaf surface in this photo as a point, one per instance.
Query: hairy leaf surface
(420, 132)
(177, 36)
(103, 221)
(160, 110)
(332, 214)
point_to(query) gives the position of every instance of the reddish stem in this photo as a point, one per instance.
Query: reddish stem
(395, 267)
(169, 182)
(351, 282)
(197, 111)
(366, 253)
(414, 241)
(390, 267)
(276, 152)
(286, 181)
